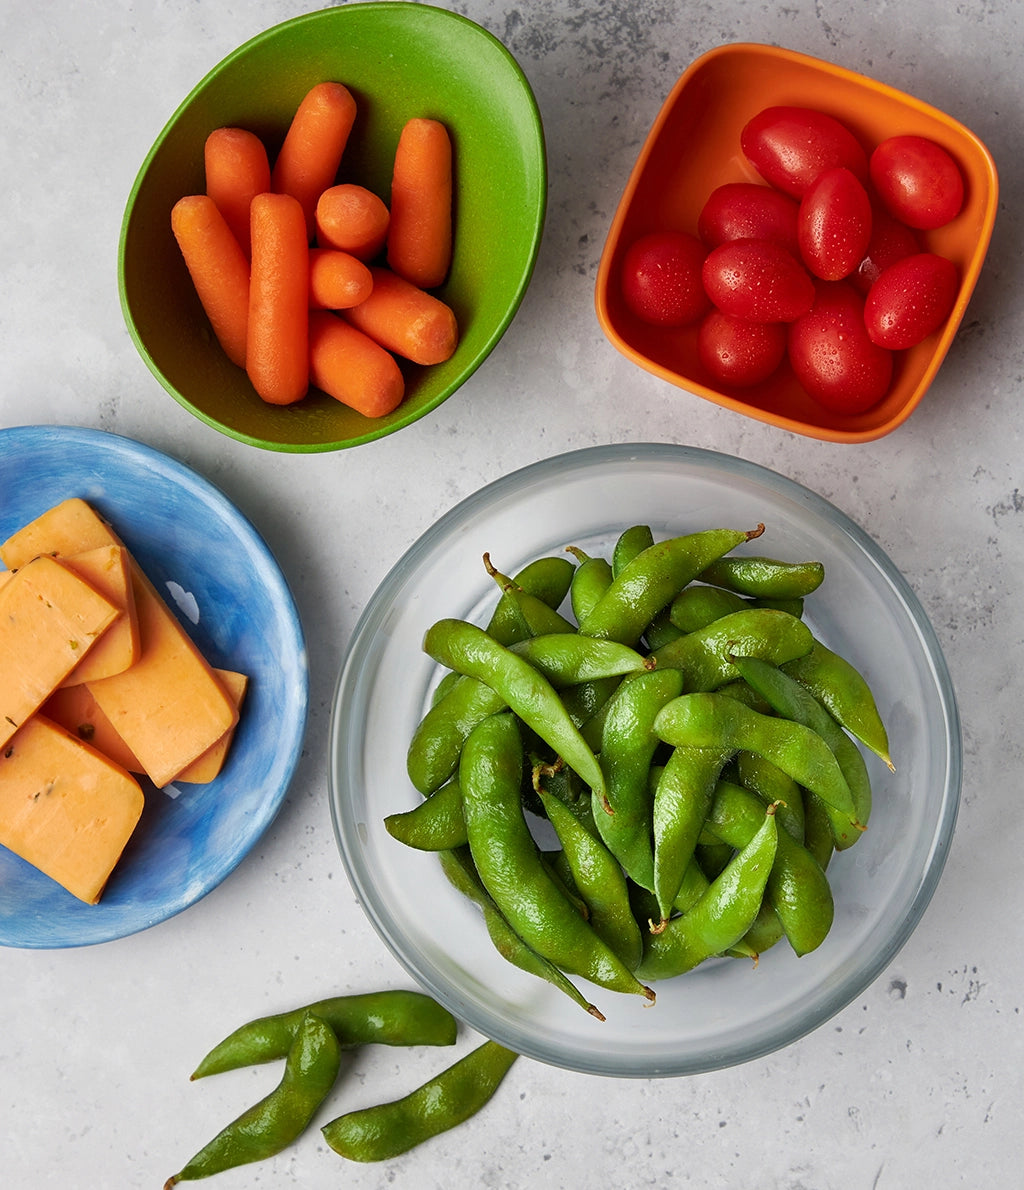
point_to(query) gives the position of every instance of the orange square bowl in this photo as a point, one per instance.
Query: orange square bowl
(694, 146)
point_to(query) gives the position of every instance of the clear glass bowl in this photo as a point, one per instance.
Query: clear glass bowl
(727, 1011)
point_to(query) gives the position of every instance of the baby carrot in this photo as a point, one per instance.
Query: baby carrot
(277, 344)
(406, 319)
(313, 146)
(237, 169)
(218, 268)
(337, 280)
(420, 235)
(352, 218)
(351, 367)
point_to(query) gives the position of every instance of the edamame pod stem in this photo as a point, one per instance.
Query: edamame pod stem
(707, 720)
(513, 872)
(436, 824)
(682, 798)
(721, 917)
(843, 689)
(282, 1116)
(462, 646)
(377, 1133)
(765, 578)
(394, 1017)
(592, 578)
(628, 744)
(569, 660)
(653, 579)
(598, 878)
(797, 888)
(458, 867)
(631, 541)
(794, 701)
(704, 654)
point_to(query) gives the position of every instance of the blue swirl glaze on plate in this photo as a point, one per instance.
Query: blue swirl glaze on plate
(217, 574)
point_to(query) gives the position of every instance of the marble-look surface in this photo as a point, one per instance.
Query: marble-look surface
(918, 1082)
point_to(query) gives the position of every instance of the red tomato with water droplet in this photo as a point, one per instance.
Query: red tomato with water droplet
(790, 146)
(890, 241)
(737, 352)
(748, 211)
(832, 355)
(661, 278)
(757, 280)
(918, 181)
(910, 300)
(834, 224)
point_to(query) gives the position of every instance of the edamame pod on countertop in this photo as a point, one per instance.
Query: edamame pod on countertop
(394, 1017)
(722, 915)
(269, 1126)
(450, 1098)
(652, 580)
(462, 646)
(513, 872)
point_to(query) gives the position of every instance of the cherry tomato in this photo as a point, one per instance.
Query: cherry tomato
(832, 355)
(737, 352)
(834, 224)
(890, 241)
(912, 298)
(757, 280)
(661, 278)
(748, 211)
(918, 181)
(790, 146)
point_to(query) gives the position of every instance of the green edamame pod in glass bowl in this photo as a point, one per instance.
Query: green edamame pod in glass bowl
(724, 1010)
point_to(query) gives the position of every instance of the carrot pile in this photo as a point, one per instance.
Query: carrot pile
(308, 281)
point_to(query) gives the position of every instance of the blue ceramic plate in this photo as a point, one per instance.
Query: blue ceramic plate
(216, 572)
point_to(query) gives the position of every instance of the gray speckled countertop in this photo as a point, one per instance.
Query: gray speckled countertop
(916, 1083)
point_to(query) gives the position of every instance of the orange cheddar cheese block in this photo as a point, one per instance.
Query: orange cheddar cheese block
(169, 707)
(107, 569)
(49, 620)
(75, 709)
(64, 808)
(206, 768)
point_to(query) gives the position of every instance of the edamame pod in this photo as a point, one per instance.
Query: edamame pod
(462, 646)
(458, 867)
(512, 871)
(592, 578)
(765, 578)
(707, 720)
(843, 690)
(569, 660)
(628, 743)
(310, 1071)
(395, 1017)
(704, 656)
(630, 542)
(772, 785)
(794, 701)
(653, 579)
(436, 744)
(797, 888)
(721, 917)
(682, 798)
(598, 878)
(388, 1129)
(436, 824)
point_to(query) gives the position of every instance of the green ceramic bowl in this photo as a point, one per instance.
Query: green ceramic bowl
(399, 60)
